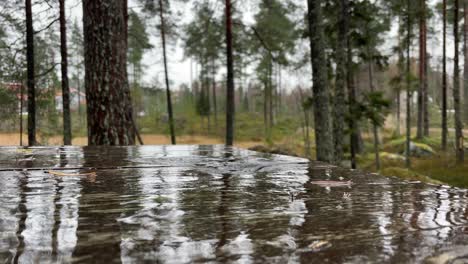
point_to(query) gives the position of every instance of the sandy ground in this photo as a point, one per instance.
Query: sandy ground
(12, 139)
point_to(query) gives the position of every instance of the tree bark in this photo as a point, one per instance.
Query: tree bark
(426, 120)
(67, 135)
(353, 124)
(375, 129)
(422, 61)
(31, 77)
(21, 113)
(109, 107)
(230, 105)
(444, 78)
(271, 95)
(408, 88)
(166, 74)
(215, 107)
(339, 110)
(265, 109)
(456, 90)
(321, 97)
(401, 73)
(465, 68)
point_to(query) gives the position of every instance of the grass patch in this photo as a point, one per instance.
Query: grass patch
(445, 169)
(408, 175)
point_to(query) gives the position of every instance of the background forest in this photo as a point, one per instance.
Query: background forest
(370, 84)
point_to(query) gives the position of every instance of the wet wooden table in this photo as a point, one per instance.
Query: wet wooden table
(185, 204)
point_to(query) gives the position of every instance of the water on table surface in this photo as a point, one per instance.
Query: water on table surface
(185, 204)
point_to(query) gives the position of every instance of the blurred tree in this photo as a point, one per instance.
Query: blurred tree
(31, 72)
(275, 36)
(67, 136)
(321, 94)
(459, 147)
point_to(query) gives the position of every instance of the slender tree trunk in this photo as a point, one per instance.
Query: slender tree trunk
(456, 90)
(270, 96)
(323, 132)
(401, 72)
(375, 129)
(67, 136)
(31, 77)
(21, 113)
(398, 103)
(109, 106)
(465, 68)
(215, 108)
(444, 78)
(265, 109)
(339, 109)
(78, 84)
(208, 97)
(166, 74)
(425, 81)
(280, 89)
(422, 61)
(307, 125)
(230, 105)
(408, 88)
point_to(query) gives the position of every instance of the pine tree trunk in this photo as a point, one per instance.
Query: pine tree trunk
(408, 89)
(375, 129)
(208, 101)
(426, 120)
(265, 109)
(401, 72)
(323, 132)
(353, 125)
(270, 96)
(230, 106)
(215, 107)
(21, 114)
(398, 105)
(339, 109)
(465, 68)
(456, 90)
(109, 107)
(166, 74)
(420, 122)
(67, 136)
(444, 78)
(31, 77)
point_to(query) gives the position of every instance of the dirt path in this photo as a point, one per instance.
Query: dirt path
(13, 139)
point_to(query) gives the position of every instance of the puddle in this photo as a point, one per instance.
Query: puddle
(185, 204)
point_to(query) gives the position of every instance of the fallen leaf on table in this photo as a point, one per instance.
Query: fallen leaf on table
(24, 150)
(57, 173)
(319, 245)
(332, 183)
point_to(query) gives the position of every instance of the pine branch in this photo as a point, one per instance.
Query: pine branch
(47, 27)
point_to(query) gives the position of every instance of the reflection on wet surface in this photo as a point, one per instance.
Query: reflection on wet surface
(185, 204)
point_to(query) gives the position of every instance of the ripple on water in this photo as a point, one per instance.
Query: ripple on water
(187, 204)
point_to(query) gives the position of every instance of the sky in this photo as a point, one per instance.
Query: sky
(181, 70)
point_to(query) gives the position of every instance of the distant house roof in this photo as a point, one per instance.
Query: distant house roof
(16, 88)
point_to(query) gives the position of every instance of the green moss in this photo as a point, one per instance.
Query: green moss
(433, 142)
(444, 168)
(396, 145)
(391, 156)
(423, 148)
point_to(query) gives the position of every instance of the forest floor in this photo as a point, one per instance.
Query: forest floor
(13, 139)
